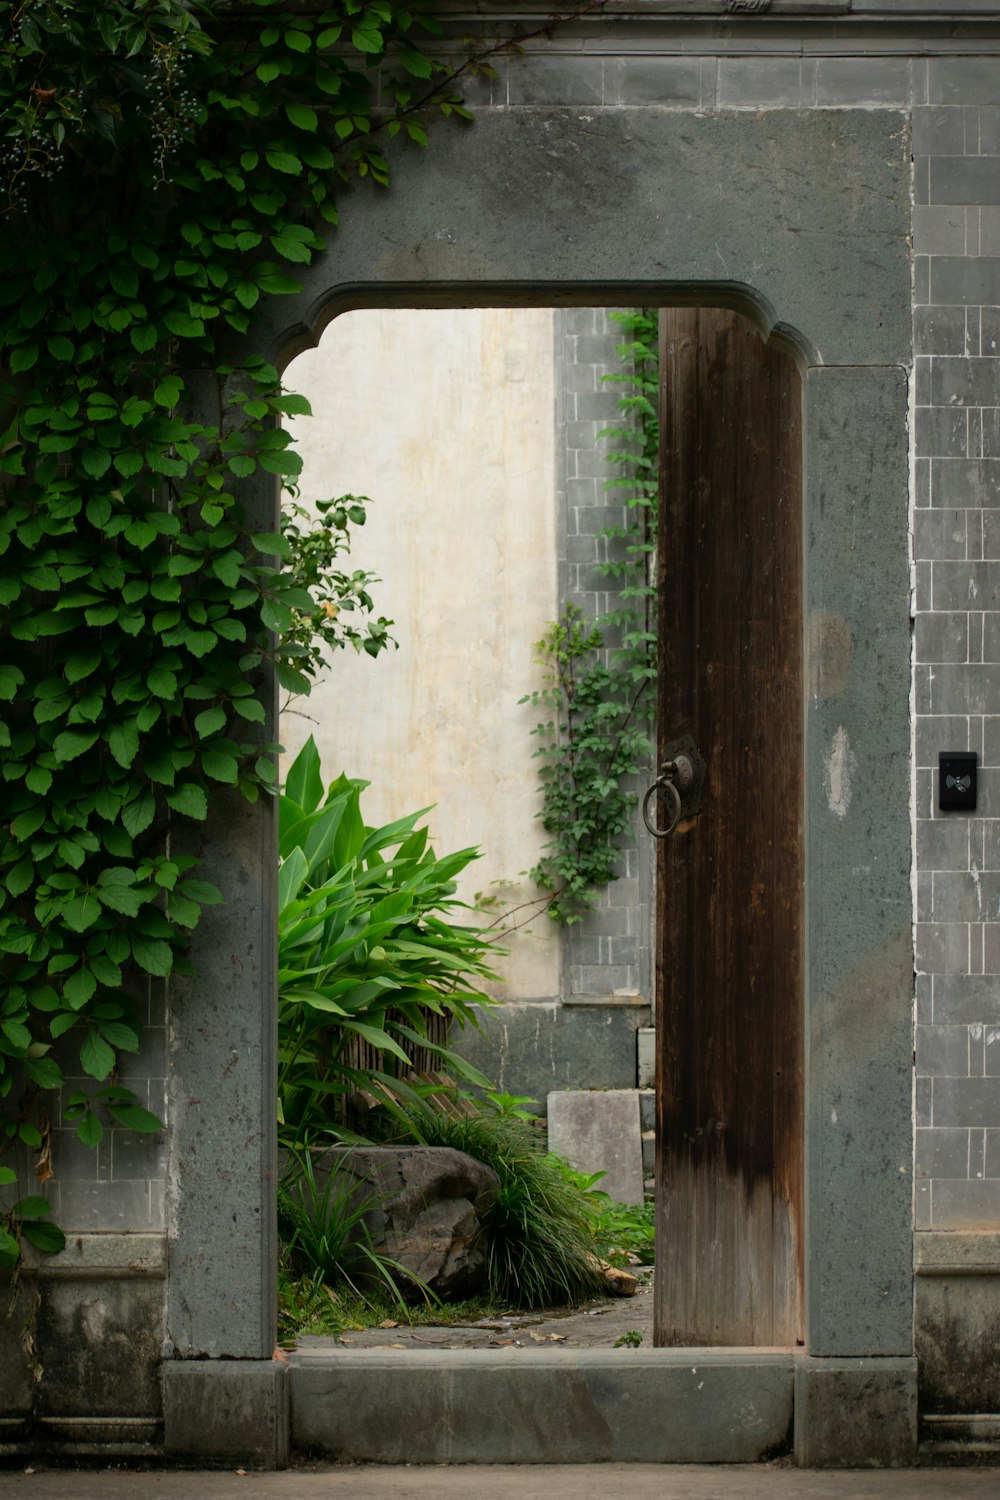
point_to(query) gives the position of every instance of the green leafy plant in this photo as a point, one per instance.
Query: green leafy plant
(367, 951)
(26, 1219)
(599, 693)
(624, 1230)
(631, 1339)
(341, 608)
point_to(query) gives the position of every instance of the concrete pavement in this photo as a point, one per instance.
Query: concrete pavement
(514, 1482)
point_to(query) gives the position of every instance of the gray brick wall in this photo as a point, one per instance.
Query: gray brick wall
(610, 949)
(956, 548)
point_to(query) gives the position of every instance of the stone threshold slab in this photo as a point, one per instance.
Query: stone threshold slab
(497, 1406)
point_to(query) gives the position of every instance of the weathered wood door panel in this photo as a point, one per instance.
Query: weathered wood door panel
(730, 881)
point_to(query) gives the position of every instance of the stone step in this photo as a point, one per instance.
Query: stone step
(560, 1406)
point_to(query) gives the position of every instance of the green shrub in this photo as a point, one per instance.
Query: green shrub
(366, 953)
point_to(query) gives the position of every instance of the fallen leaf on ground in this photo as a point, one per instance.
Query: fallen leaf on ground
(388, 1323)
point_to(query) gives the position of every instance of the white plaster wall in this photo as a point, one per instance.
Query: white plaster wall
(445, 418)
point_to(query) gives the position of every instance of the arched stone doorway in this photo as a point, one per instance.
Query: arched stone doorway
(650, 207)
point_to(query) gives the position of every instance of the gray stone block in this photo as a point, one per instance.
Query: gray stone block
(942, 1050)
(226, 1412)
(534, 1049)
(647, 1059)
(966, 1101)
(759, 81)
(940, 434)
(969, 382)
(942, 638)
(599, 1131)
(863, 80)
(963, 80)
(942, 1153)
(938, 330)
(557, 80)
(991, 533)
(855, 1413)
(964, 179)
(965, 1205)
(498, 1406)
(942, 844)
(972, 688)
(941, 947)
(938, 131)
(941, 533)
(660, 80)
(957, 280)
(938, 230)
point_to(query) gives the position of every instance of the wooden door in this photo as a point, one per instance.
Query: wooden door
(730, 880)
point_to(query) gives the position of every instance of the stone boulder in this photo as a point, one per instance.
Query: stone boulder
(422, 1207)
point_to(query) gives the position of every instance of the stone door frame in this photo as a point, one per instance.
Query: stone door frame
(800, 219)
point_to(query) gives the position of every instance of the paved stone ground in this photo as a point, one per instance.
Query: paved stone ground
(556, 1482)
(592, 1325)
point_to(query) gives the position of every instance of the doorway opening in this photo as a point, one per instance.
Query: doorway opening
(481, 474)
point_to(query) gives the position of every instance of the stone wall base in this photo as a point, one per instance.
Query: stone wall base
(958, 1340)
(226, 1411)
(855, 1413)
(81, 1341)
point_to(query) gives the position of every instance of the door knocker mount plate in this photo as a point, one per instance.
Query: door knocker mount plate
(680, 782)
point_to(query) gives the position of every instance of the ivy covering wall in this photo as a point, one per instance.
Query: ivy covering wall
(164, 168)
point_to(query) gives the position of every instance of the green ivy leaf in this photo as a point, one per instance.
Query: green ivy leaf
(81, 913)
(96, 1057)
(189, 799)
(152, 955)
(284, 161)
(89, 1129)
(162, 681)
(33, 1207)
(220, 766)
(302, 116)
(43, 1071)
(131, 1115)
(210, 721)
(138, 815)
(73, 743)
(82, 663)
(48, 1238)
(123, 742)
(23, 358)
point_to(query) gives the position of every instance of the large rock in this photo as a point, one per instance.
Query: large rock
(423, 1207)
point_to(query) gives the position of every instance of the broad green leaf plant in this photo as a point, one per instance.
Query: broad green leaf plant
(165, 167)
(368, 945)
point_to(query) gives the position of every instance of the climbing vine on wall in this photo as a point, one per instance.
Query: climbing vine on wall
(164, 167)
(600, 692)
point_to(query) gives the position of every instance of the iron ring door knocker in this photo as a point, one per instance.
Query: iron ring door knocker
(681, 780)
(663, 783)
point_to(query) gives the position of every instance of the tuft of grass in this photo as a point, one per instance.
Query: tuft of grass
(325, 1236)
(539, 1241)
